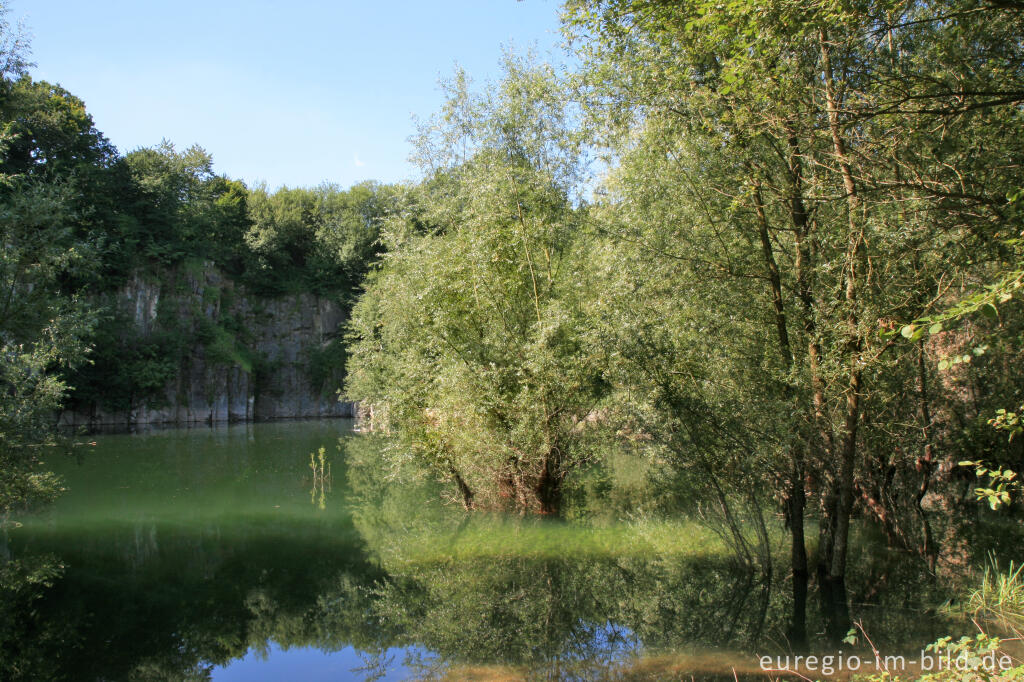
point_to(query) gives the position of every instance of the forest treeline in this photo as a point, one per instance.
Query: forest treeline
(772, 246)
(79, 221)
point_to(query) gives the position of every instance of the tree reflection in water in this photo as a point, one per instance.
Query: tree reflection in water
(402, 579)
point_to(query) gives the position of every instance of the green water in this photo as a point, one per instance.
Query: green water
(216, 553)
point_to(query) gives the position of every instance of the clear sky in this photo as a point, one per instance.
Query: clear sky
(286, 91)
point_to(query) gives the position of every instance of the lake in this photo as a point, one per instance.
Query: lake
(233, 553)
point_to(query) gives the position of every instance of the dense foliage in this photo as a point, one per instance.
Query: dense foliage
(797, 274)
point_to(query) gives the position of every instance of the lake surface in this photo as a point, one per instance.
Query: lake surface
(220, 554)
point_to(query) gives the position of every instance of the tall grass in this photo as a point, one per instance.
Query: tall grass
(1000, 597)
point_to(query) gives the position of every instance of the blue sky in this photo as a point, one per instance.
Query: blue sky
(288, 92)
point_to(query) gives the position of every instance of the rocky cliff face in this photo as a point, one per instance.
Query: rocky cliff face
(244, 357)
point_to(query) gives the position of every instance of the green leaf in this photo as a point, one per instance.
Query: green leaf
(907, 331)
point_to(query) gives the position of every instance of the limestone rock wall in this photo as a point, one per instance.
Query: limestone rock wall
(261, 372)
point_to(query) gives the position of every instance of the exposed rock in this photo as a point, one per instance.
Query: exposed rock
(269, 377)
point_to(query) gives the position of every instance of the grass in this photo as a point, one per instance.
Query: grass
(498, 537)
(1000, 597)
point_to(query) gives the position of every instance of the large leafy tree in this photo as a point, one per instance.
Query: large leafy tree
(855, 159)
(470, 340)
(321, 239)
(178, 208)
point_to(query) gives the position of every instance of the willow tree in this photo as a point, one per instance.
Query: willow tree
(469, 342)
(844, 141)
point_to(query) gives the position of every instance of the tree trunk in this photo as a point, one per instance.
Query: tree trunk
(826, 547)
(926, 463)
(797, 494)
(798, 555)
(548, 489)
(839, 623)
